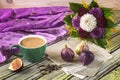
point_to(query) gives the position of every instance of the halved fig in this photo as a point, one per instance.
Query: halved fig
(16, 64)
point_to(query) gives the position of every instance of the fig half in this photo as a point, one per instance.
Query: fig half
(16, 64)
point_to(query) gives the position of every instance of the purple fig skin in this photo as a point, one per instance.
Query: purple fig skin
(85, 47)
(86, 57)
(67, 54)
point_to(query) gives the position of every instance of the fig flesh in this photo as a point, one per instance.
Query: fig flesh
(86, 57)
(67, 54)
(16, 64)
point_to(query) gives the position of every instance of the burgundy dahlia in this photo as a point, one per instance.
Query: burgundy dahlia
(83, 34)
(82, 11)
(102, 22)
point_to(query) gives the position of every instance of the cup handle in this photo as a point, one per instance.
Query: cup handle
(12, 52)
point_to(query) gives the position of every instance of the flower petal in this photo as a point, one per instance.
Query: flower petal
(97, 12)
(82, 11)
(76, 22)
(88, 22)
(83, 34)
(102, 22)
(98, 32)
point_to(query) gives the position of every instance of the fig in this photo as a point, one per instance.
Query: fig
(16, 64)
(81, 47)
(67, 54)
(86, 57)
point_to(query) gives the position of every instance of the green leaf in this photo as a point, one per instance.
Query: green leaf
(93, 4)
(107, 12)
(102, 42)
(107, 33)
(95, 41)
(75, 7)
(74, 33)
(68, 20)
(110, 24)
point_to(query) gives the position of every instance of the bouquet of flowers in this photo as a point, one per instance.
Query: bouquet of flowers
(90, 22)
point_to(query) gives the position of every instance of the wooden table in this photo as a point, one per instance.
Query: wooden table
(31, 71)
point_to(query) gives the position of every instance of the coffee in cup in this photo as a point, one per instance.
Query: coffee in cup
(32, 42)
(32, 47)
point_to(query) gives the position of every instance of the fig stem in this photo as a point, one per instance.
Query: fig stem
(66, 46)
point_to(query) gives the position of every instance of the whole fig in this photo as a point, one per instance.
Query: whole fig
(67, 54)
(81, 47)
(86, 57)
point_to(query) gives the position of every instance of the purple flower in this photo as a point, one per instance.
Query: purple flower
(98, 32)
(102, 22)
(76, 22)
(82, 11)
(97, 12)
(83, 34)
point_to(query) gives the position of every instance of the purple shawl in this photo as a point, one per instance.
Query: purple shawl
(16, 23)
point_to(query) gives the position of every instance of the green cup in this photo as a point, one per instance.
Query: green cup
(30, 54)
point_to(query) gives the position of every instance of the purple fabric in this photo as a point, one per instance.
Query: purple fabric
(16, 23)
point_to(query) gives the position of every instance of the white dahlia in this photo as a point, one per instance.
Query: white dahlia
(88, 22)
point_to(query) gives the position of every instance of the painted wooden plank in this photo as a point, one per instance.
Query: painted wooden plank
(114, 75)
(114, 43)
(51, 75)
(25, 74)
